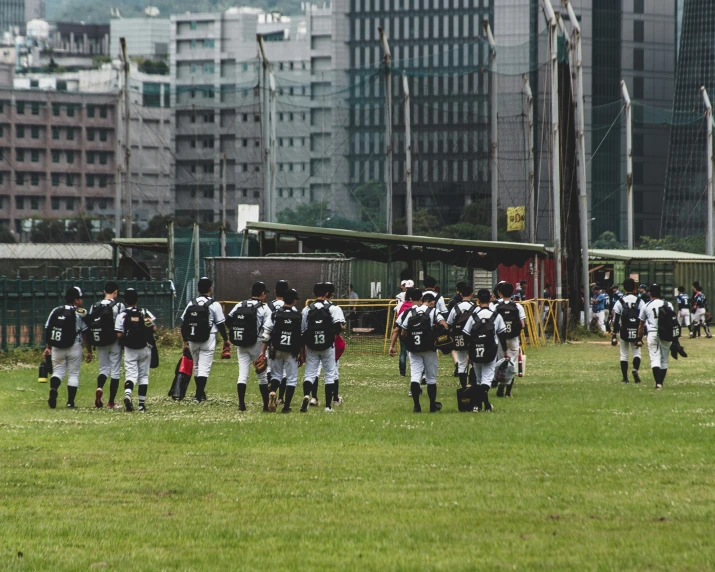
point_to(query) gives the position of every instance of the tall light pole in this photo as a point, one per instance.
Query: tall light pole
(408, 154)
(128, 210)
(629, 164)
(709, 120)
(388, 127)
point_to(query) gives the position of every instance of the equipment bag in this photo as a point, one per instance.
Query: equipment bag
(460, 320)
(182, 377)
(418, 328)
(101, 324)
(465, 398)
(243, 322)
(195, 327)
(320, 333)
(630, 321)
(483, 346)
(668, 328)
(286, 331)
(136, 334)
(63, 327)
(509, 311)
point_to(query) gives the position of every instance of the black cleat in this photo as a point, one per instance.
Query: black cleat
(306, 403)
(286, 410)
(128, 407)
(624, 381)
(636, 376)
(417, 409)
(488, 408)
(70, 406)
(52, 401)
(241, 406)
(142, 408)
(436, 407)
(500, 391)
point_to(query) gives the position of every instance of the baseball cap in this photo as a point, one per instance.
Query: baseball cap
(409, 283)
(643, 286)
(74, 293)
(428, 296)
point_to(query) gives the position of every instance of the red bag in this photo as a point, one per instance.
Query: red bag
(186, 366)
(339, 347)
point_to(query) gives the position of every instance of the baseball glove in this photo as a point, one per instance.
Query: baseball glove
(226, 353)
(261, 364)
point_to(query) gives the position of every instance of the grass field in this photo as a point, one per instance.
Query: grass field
(577, 472)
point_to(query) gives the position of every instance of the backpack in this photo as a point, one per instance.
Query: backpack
(418, 329)
(286, 331)
(483, 346)
(136, 334)
(195, 327)
(509, 311)
(320, 334)
(244, 325)
(630, 321)
(668, 328)
(460, 320)
(101, 324)
(63, 327)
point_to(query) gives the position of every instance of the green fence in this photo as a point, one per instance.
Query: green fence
(25, 304)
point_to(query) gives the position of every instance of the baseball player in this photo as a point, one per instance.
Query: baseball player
(683, 308)
(416, 326)
(651, 315)
(457, 319)
(282, 286)
(100, 320)
(321, 322)
(514, 318)
(282, 334)
(486, 330)
(598, 305)
(700, 311)
(430, 285)
(202, 319)
(135, 329)
(65, 330)
(402, 305)
(246, 322)
(626, 319)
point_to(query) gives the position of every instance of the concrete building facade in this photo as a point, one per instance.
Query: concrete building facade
(146, 37)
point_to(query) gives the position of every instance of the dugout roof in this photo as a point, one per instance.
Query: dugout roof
(53, 251)
(659, 255)
(401, 248)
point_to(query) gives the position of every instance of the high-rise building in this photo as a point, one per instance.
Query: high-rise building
(12, 15)
(145, 37)
(684, 208)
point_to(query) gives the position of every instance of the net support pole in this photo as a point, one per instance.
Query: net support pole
(709, 121)
(629, 164)
(171, 262)
(408, 154)
(529, 101)
(387, 59)
(273, 151)
(223, 205)
(196, 241)
(555, 141)
(265, 119)
(493, 135)
(577, 63)
(129, 215)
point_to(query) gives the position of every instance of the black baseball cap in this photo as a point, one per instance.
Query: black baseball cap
(290, 296)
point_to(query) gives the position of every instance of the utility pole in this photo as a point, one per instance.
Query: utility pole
(529, 98)
(264, 99)
(629, 163)
(128, 214)
(273, 149)
(577, 61)
(555, 141)
(223, 206)
(388, 127)
(709, 119)
(408, 154)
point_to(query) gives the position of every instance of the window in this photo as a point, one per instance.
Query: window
(193, 143)
(35, 109)
(69, 156)
(35, 203)
(35, 154)
(193, 25)
(209, 43)
(55, 156)
(208, 68)
(19, 181)
(55, 202)
(70, 179)
(90, 181)
(208, 143)
(70, 111)
(70, 134)
(103, 158)
(244, 142)
(55, 179)
(56, 109)
(102, 134)
(90, 134)
(35, 179)
(244, 168)
(89, 204)
(19, 201)
(638, 7)
(638, 89)
(19, 131)
(90, 110)
(70, 203)
(193, 69)
(20, 107)
(19, 155)
(103, 203)
(35, 132)
(103, 111)
(102, 181)
(193, 44)
(638, 59)
(638, 31)
(90, 157)
(208, 117)
(208, 168)
(245, 118)
(55, 133)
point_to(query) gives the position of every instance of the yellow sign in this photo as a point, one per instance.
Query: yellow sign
(516, 218)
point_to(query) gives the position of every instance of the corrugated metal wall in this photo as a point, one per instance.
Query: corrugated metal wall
(704, 272)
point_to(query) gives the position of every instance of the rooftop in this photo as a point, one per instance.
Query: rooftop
(647, 255)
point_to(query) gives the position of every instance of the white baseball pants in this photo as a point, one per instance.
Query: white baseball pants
(67, 361)
(203, 356)
(110, 360)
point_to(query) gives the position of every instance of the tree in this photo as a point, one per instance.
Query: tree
(154, 67)
(694, 243)
(607, 241)
(424, 223)
(310, 214)
(6, 236)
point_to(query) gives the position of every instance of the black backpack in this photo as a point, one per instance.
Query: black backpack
(461, 317)
(509, 311)
(320, 333)
(419, 336)
(195, 327)
(286, 331)
(101, 324)
(630, 320)
(483, 346)
(136, 335)
(668, 328)
(62, 328)
(244, 324)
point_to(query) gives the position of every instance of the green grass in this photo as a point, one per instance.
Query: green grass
(577, 472)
